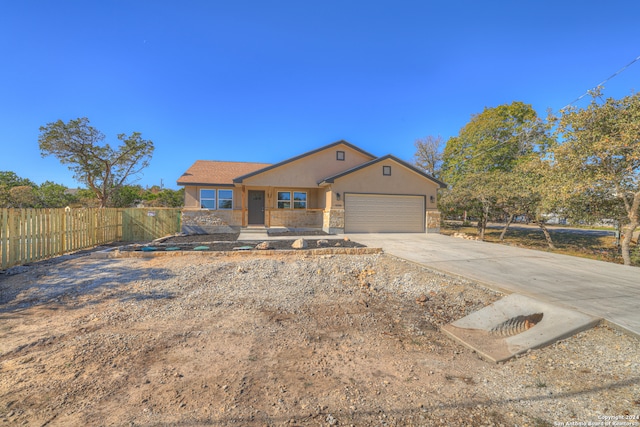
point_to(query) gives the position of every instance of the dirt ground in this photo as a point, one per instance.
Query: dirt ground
(281, 340)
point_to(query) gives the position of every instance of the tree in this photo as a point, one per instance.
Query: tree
(166, 198)
(599, 155)
(479, 162)
(52, 195)
(428, 155)
(102, 168)
(127, 196)
(11, 197)
(10, 179)
(23, 196)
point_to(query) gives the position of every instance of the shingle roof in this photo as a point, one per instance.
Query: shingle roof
(213, 172)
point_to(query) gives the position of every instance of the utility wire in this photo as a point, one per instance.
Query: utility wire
(603, 82)
(569, 104)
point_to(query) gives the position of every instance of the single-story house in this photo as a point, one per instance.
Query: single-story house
(338, 187)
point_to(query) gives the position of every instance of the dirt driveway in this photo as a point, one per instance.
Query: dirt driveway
(281, 340)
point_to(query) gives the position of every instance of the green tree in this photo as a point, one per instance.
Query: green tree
(599, 155)
(127, 196)
(23, 196)
(8, 198)
(87, 198)
(170, 198)
(52, 195)
(478, 163)
(529, 190)
(10, 179)
(102, 168)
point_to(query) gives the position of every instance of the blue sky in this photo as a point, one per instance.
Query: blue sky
(267, 80)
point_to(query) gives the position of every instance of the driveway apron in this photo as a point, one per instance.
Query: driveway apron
(598, 288)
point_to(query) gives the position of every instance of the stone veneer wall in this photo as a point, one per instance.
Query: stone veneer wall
(433, 221)
(301, 218)
(209, 222)
(333, 221)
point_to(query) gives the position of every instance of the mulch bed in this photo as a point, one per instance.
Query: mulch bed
(228, 242)
(199, 238)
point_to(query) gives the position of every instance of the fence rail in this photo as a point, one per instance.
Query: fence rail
(28, 235)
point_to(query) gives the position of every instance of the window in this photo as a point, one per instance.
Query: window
(339, 155)
(299, 200)
(225, 199)
(386, 170)
(284, 200)
(207, 199)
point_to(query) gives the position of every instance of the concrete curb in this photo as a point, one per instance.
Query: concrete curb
(116, 253)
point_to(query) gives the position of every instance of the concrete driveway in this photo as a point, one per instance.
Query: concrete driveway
(598, 288)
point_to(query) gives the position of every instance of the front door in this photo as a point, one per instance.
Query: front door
(256, 207)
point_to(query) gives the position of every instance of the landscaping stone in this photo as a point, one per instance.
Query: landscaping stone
(263, 246)
(299, 244)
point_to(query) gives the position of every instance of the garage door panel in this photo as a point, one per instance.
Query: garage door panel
(384, 213)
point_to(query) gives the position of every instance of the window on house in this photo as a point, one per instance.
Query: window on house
(339, 155)
(386, 170)
(207, 199)
(225, 199)
(284, 199)
(299, 200)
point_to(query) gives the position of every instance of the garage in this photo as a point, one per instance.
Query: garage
(384, 213)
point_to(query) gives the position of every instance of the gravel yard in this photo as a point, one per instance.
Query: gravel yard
(297, 339)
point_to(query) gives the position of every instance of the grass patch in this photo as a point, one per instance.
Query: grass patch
(574, 243)
(541, 384)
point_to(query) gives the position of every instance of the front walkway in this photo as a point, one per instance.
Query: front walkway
(606, 290)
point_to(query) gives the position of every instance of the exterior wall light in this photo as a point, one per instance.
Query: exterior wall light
(338, 196)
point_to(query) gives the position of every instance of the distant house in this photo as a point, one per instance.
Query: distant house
(338, 187)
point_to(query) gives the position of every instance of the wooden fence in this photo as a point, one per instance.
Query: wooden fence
(28, 235)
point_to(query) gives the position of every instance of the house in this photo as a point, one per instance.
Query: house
(338, 187)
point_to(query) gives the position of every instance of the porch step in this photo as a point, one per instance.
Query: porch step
(256, 230)
(253, 233)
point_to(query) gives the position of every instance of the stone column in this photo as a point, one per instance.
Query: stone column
(433, 221)
(333, 221)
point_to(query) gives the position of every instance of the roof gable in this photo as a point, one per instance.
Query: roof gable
(409, 166)
(213, 172)
(308, 154)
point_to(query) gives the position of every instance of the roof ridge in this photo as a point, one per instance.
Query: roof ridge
(233, 161)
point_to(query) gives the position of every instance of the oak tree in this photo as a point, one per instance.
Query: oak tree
(598, 154)
(101, 167)
(478, 163)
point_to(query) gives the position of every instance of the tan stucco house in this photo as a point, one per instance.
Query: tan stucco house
(338, 187)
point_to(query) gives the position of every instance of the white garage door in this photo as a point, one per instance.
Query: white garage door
(383, 213)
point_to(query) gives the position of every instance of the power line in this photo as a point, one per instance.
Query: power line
(476, 155)
(603, 82)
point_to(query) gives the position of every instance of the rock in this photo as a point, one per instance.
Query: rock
(264, 246)
(299, 244)
(322, 242)
(422, 299)
(346, 239)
